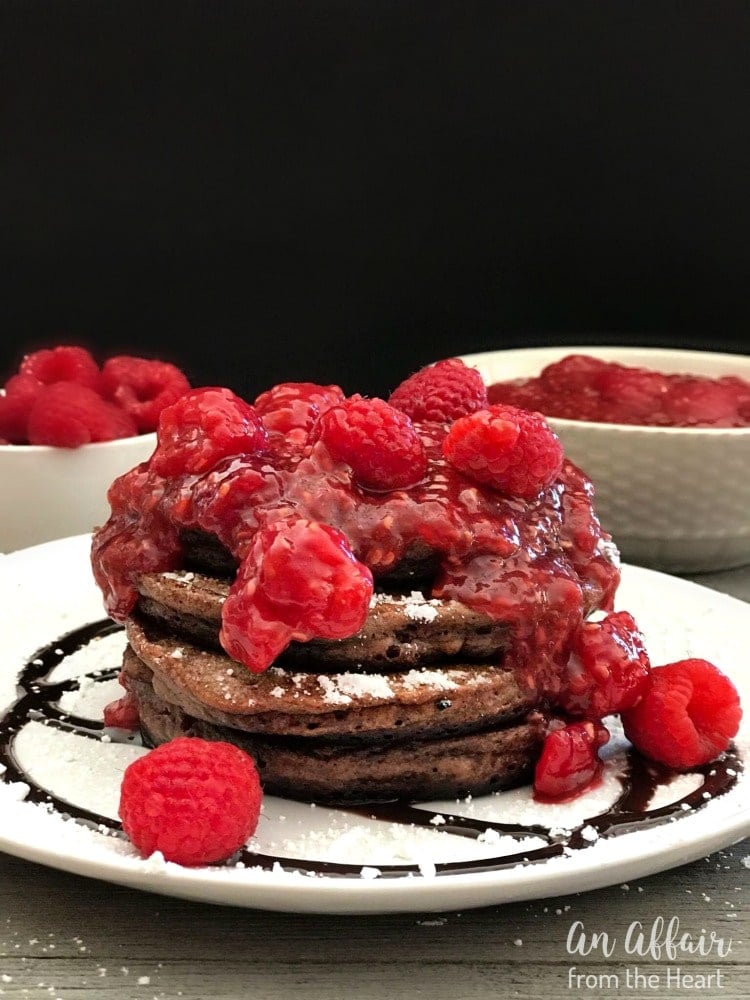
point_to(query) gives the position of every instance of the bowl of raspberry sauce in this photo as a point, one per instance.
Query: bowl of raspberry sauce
(664, 435)
(69, 426)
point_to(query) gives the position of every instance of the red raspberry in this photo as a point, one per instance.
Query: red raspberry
(441, 392)
(376, 440)
(687, 716)
(63, 364)
(299, 581)
(569, 763)
(142, 387)
(68, 414)
(514, 451)
(201, 428)
(194, 800)
(608, 669)
(292, 408)
(21, 392)
(122, 713)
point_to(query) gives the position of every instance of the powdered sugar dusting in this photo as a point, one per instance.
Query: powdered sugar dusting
(340, 689)
(102, 653)
(414, 605)
(437, 679)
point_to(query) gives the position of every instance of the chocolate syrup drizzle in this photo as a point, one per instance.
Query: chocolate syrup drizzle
(38, 700)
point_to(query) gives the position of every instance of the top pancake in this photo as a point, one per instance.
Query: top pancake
(401, 631)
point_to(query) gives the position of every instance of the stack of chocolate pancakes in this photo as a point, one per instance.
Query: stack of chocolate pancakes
(273, 598)
(416, 704)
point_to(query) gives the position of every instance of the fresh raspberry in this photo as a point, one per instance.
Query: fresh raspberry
(299, 581)
(514, 451)
(21, 392)
(292, 408)
(443, 392)
(194, 800)
(142, 387)
(68, 414)
(122, 713)
(63, 364)
(569, 763)
(376, 440)
(201, 428)
(687, 716)
(608, 668)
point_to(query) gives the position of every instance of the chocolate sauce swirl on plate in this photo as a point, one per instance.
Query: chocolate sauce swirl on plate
(38, 700)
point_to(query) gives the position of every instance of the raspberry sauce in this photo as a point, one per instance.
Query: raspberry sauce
(539, 565)
(580, 387)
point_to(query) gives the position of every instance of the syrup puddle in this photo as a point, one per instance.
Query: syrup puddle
(52, 741)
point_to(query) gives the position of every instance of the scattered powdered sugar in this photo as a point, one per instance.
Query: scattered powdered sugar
(427, 868)
(428, 678)
(102, 653)
(370, 873)
(181, 576)
(414, 605)
(340, 689)
(90, 697)
(419, 609)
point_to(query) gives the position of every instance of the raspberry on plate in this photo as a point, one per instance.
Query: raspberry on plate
(569, 763)
(688, 715)
(514, 451)
(194, 800)
(122, 713)
(608, 668)
(442, 392)
(376, 440)
(68, 414)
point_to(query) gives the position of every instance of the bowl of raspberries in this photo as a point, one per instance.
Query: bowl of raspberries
(69, 426)
(663, 433)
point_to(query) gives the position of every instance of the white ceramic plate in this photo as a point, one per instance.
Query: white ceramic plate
(46, 592)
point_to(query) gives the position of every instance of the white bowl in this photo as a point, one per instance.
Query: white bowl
(673, 498)
(48, 493)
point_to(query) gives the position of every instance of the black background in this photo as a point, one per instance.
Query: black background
(342, 191)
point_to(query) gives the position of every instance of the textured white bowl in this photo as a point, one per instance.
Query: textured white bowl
(48, 493)
(676, 499)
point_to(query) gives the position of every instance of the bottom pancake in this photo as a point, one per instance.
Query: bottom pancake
(320, 771)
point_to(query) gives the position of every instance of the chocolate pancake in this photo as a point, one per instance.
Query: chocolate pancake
(393, 707)
(414, 705)
(331, 772)
(402, 630)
